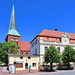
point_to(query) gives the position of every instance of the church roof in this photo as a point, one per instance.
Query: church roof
(25, 46)
(12, 27)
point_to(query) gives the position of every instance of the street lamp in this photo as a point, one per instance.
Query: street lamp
(15, 63)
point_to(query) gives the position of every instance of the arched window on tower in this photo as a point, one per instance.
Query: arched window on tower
(11, 38)
(17, 42)
(14, 38)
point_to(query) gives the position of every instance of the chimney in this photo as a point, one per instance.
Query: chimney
(56, 29)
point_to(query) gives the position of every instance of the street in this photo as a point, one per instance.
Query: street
(56, 73)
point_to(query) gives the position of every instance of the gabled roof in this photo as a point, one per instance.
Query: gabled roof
(25, 46)
(51, 33)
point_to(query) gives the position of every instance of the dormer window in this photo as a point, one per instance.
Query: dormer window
(26, 53)
(47, 37)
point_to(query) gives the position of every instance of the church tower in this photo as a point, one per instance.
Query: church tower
(12, 34)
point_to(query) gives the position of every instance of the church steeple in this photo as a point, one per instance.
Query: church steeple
(12, 20)
(12, 26)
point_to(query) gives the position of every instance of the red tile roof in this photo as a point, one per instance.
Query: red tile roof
(25, 46)
(58, 34)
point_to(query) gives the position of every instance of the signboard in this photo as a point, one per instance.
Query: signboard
(19, 61)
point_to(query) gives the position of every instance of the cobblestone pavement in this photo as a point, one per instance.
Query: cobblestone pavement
(26, 72)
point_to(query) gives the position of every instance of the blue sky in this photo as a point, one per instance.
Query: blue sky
(32, 16)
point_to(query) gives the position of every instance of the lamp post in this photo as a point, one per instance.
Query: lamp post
(15, 63)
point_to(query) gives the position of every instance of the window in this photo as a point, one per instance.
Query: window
(58, 49)
(17, 39)
(19, 65)
(11, 41)
(65, 40)
(35, 51)
(11, 38)
(17, 42)
(34, 64)
(29, 57)
(14, 38)
(31, 45)
(47, 37)
(45, 48)
(35, 41)
(26, 53)
(21, 57)
(56, 38)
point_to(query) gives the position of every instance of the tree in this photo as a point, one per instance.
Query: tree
(52, 56)
(11, 47)
(7, 48)
(68, 55)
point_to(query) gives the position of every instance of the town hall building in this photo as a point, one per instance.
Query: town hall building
(46, 38)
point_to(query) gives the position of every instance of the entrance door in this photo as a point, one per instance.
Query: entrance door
(26, 65)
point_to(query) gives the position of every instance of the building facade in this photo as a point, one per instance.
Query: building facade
(23, 61)
(46, 38)
(37, 47)
(15, 37)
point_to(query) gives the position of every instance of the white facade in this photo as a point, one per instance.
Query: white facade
(35, 47)
(40, 46)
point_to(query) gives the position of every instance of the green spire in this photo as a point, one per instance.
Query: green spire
(12, 27)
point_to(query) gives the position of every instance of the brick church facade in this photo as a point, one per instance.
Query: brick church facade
(15, 37)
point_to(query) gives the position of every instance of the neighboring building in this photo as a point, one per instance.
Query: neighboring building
(15, 37)
(23, 61)
(47, 38)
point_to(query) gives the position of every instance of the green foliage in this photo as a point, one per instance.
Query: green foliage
(12, 47)
(52, 55)
(68, 55)
(0, 62)
(7, 48)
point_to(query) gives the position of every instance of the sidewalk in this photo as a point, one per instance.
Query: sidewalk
(26, 72)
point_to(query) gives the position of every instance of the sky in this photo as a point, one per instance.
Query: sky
(32, 16)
